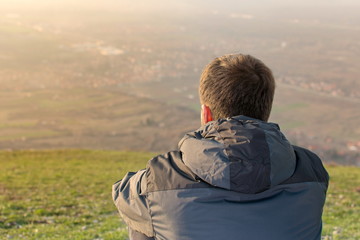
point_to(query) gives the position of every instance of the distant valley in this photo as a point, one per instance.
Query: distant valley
(120, 77)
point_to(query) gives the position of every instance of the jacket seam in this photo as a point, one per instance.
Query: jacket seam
(150, 214)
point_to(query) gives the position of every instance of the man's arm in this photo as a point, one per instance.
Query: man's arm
(129, 198)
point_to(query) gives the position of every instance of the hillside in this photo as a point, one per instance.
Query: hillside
(66, 194)
(90, 118)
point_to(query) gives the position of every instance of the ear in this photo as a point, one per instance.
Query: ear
(206, 115)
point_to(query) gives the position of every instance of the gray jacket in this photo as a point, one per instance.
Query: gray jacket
(235, 178)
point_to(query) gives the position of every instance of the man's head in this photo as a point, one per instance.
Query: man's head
(236, 84)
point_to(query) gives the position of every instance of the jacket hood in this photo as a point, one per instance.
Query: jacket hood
(241, 154)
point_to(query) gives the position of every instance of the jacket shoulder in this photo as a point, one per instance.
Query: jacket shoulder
(309, 168)
(168, 171)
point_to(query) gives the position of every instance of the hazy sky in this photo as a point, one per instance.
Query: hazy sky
(333, 11)
(177, 4)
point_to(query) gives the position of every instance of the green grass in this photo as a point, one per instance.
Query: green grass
(66, 194)
(62, 194)
(342, 209)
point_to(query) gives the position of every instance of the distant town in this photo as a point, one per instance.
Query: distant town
(44, 59)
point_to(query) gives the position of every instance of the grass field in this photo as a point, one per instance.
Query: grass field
(66, 194)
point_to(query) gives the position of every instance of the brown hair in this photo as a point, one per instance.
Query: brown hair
(237, 84)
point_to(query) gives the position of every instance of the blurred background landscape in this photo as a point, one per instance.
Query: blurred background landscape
(90, 90)
(123, 75)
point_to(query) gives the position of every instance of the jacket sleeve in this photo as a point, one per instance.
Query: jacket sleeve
(130, 199)
(133, 235)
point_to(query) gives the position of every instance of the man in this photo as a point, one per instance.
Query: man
(236, 177)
